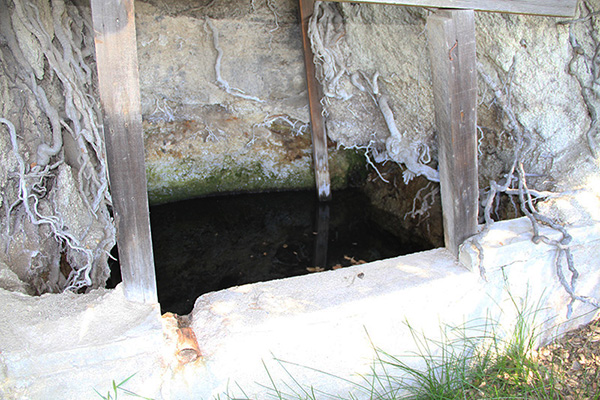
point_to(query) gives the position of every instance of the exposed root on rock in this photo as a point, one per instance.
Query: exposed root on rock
(584, 67)
(222, 83)
(516, 175)
(326, 31)
(425, 202)
(50, 67)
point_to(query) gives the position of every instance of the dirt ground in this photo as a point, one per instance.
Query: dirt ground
(575, 360)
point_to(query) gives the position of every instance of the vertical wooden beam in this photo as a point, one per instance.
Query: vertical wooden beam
(116, 58)
(451, 37)
(319, 135)
(322, 239)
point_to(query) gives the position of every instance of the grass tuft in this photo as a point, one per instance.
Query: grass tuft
(473, 361)
(119, 387)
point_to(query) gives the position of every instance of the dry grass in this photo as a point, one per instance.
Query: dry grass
(574, 361)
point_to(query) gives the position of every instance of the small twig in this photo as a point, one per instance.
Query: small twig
(451, 50)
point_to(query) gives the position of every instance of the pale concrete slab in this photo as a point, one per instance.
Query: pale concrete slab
(67, 345)
(319, 330)
(327, 324)
(324, 321)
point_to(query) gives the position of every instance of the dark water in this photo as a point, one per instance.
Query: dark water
(209, 244)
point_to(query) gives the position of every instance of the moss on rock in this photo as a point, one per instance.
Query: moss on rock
(178, 179)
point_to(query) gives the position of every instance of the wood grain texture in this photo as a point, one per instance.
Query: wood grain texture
(556, 8)
(451, 37)
(116, 58)
(315, 94)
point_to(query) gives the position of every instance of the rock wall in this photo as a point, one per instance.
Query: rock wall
(537, 62)
(231, 114)
(56, 228)
(225, 110)
(224, 100)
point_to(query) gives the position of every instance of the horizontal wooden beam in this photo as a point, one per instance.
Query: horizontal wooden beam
(554, 8)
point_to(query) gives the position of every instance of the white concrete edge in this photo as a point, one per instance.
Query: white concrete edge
(321, 320)
(326, 322)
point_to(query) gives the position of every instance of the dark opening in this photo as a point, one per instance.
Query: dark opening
(209, 244)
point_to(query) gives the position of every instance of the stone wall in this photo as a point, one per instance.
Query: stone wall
(202, 139)
(245, 129)
(537, 63)
(55, 226)
(225, 110)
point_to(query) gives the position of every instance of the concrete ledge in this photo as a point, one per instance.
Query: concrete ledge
(511, 260)
(320, 329)
(66, 345)
(331, 321)
(323, 321)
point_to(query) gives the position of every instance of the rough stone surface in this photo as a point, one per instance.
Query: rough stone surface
(200, 139)
(530, 56)
(391, 41)
(67, 345)
(189, 159)
(197, 133)
(11, 282)
(55, 222)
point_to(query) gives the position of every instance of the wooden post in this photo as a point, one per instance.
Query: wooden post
(322, 238)
(319, 135)
(451, 37)
(116, 58)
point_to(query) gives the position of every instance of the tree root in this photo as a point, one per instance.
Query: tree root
(326, 31)
(590, 92)
(526, 198)
(425, 202)
(222, 83)
(64, 50)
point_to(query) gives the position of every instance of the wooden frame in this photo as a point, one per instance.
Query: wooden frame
(452, 52)
(553, 8)
(451, 38)
(315, 94)
(116, 60)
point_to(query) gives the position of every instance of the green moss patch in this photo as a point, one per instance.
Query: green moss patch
(178, 179)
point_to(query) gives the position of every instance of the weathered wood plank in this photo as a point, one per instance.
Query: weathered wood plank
(322, 237)
(557, 8)
(451, 37)
(116, 58)
(315, 94)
